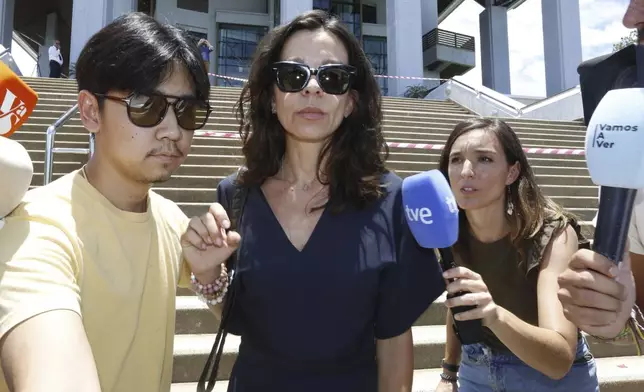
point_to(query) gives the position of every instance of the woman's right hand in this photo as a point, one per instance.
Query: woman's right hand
(206, 244)
(446, 386)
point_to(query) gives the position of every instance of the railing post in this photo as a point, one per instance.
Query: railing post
(49, 154)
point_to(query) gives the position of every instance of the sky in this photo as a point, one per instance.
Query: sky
(601, 27)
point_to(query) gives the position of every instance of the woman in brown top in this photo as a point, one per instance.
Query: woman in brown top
(513, 243)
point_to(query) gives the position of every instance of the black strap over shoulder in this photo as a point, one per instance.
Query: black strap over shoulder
(211, 367)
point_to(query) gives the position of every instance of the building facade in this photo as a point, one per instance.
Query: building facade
(400, 37)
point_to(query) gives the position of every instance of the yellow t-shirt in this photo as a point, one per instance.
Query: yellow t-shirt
(67, 247)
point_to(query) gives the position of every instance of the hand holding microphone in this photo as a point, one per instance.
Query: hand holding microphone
(16, 169)
(591, 296)
(432, 216)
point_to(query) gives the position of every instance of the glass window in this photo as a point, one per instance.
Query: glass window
(236, 46)
(375, 49)
(349, 13)
(193, 5)
(277, 10)
(321, 4)
(146, 6)
(369, 14)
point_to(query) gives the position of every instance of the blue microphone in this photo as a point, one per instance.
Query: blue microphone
(432, 216)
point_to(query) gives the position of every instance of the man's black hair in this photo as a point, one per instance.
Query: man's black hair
(136, 53)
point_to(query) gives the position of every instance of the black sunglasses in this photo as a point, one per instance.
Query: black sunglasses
(148, 111)
(335, 79)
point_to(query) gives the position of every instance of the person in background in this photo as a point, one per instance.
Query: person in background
(330, 278)
(598, 296)
(90, 263)
(513, 243)
(55, 60)
(205, 48)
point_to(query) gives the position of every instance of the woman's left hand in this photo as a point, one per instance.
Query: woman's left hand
(477, 294)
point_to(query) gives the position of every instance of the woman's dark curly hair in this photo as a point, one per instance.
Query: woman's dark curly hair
(355, 153)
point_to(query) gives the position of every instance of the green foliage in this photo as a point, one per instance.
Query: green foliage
(631, 38)
(417, 91)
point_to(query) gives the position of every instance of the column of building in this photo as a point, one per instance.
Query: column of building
(495, 52)
(561, 44)
(89, 16)
(6, 22)
(404, 43)
(429, 22)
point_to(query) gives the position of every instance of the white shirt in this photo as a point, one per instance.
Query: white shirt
(636, 228)
(54, 55)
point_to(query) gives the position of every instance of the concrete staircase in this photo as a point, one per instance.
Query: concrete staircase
(562, 177)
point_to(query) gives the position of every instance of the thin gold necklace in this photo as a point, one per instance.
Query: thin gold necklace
(305, 187)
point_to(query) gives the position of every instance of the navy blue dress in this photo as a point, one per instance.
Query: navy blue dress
(309, 319)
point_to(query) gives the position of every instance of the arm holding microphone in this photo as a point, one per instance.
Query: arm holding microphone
(550, 347)
(598, 290)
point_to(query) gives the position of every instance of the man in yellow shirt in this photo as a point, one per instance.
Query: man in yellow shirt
(89, 264)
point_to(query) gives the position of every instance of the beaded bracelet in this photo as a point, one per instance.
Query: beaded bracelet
(631, 327)
(212, 293)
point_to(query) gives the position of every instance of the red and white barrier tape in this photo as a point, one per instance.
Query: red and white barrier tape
(420, 146)
(377, 76)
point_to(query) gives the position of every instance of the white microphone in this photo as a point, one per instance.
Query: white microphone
(16, 171)
(615, 158)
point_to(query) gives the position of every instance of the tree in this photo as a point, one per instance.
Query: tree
(417, 91)
(631, 38)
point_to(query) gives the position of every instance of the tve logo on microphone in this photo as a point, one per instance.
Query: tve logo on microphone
(424, 214)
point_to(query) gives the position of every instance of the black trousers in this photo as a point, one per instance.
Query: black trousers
(54, 69)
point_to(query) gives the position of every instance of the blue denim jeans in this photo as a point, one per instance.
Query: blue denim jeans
(485, 370)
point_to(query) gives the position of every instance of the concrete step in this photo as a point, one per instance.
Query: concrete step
(192, 199)
(393, 124)
(55, 108)
(35, 130)
(194, 317)
(216, 142)
(208, 180)
(232, 155)
(622, 374)
(615, 375)
(191, 351)
(222, 167)
(70, 98)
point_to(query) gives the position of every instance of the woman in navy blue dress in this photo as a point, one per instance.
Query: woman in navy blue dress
(330, 278)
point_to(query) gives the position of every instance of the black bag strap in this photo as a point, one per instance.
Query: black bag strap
(211, 367)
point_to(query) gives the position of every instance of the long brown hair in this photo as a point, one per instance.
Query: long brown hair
(355, 150)
(531, 207)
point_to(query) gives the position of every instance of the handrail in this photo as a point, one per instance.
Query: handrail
(483, 93)
(51, 137)
(516, 111)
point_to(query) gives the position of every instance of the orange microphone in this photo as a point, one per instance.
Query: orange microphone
(17, 102)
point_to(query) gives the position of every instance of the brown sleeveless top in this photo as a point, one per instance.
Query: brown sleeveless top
(511, 278)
